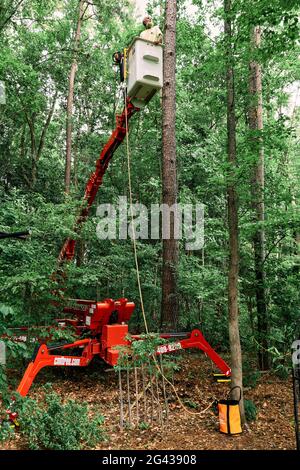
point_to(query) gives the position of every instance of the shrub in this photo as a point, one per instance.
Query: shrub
(250, 410)
(251, 376)
(3, 384)
(55, 425)
(6, 429)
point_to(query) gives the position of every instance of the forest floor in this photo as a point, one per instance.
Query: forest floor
(273, 397)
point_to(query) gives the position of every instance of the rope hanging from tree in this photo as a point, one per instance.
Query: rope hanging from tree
(138, 270)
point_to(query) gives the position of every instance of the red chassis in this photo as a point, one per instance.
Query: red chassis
(113, 336)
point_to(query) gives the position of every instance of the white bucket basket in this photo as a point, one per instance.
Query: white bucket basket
(145, 71)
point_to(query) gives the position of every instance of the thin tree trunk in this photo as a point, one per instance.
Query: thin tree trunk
(256, 127)
(169, 312)
(233, 308)
(39, 150)
(37, 145)
(70, 101)
(80, 253)
(290, 171)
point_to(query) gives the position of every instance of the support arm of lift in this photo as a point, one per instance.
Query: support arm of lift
(91, 347)
(44, 358)
(196, 340)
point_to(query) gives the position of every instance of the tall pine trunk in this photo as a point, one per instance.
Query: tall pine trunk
(256, 128)
(70, 100)
(169, 305)
(233, 274)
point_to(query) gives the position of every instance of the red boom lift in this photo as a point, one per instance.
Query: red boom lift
(103, 326)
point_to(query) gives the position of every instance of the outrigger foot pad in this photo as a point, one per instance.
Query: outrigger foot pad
(222, 378)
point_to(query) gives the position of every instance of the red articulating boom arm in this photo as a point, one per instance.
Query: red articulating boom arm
(196, 340)
(108, 348)
(68, 250)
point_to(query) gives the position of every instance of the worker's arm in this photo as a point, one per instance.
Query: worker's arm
(159, 37)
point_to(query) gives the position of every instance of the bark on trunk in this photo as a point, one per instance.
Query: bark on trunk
(169, 305)
(233, 308)
(256, 127)
(70, 101)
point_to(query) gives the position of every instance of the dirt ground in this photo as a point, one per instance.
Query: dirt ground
(273, 428)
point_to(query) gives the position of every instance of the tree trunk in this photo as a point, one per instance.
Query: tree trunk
(256, 127)
(233, 309)
(169, 306)
(37, 145)
(70, 101)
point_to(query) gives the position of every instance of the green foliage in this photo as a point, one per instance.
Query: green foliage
(147, 347)
(250, 410)
(281, 363)
(66, 334)
(191, 404)
(143, 425)
(54, 425)
(251, 376)
(7, 430)
(13, 350)
(140, 351)
(35, 60)
(143, 353)
(3, 385)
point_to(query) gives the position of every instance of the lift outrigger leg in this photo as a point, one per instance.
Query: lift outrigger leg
(46, 355)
